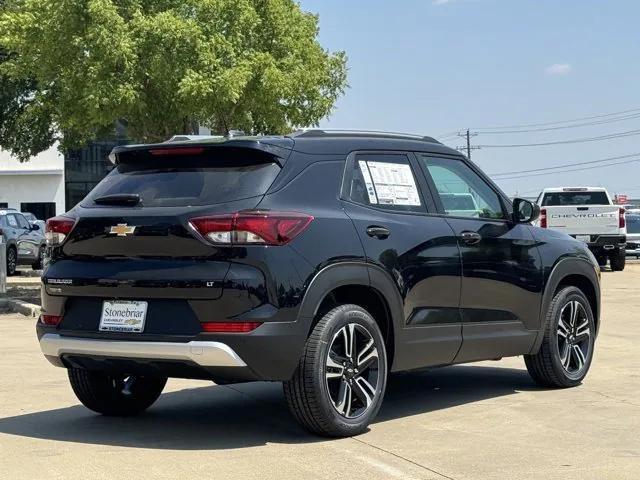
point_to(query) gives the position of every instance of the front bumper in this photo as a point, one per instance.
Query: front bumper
(201, 353)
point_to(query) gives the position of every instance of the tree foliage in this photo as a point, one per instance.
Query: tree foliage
(75, 67)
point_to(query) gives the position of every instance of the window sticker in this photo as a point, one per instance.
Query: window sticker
(394, 184)
(371, 191)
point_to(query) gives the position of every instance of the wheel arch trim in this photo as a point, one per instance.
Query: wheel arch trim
(564, 268)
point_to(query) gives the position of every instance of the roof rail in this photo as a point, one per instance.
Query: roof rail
(334, 132)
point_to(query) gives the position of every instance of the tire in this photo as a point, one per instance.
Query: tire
(38, 264)
(12, 261)
(114, 395)
(550, 367)
(602, 260)
(314, 393)
(618, 261)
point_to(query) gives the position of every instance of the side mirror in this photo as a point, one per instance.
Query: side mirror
(35, 227)
(525, 211)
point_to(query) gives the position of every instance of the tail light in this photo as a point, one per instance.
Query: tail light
(252, 227)
(53, 320)
(57, 229)
(622, 221)
(543, 218)
(229, 327)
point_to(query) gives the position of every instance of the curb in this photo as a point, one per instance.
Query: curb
(19, 306)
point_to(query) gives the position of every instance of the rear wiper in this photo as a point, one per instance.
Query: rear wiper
(125, 199)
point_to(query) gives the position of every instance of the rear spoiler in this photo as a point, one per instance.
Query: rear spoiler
(270, 149)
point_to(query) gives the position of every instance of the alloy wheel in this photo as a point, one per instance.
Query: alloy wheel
(11, 261)
(352, 370)
(574, 337)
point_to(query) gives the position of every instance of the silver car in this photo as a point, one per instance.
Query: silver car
(24, 242)
(633, 234)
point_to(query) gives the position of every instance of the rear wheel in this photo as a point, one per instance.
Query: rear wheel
(12, 261)
(340, 381)
(618, 261)
(566, 352)
(115, 395)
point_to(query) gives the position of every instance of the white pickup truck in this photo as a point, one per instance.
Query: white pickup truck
(588, 215)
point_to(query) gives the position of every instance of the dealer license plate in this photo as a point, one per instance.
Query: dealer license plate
(123, 316)
(584, 238)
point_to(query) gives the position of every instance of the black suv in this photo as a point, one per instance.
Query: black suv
(324, 260)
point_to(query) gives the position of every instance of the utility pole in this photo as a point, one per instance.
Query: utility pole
(468, 148)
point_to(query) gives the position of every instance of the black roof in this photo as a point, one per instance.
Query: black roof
(314, 142)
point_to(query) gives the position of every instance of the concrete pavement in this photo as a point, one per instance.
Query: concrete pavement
(483, 421)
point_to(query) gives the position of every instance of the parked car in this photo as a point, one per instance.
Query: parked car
(324, 260)
(633, 234)
(589, 215)
(34, 221)
(25, 243)
(460, 204)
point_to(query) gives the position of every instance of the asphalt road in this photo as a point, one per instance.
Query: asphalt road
(483, 421)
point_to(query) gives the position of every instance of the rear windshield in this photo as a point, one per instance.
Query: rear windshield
(457, 202)
(187, 183)
(575, 198)
(633, 223)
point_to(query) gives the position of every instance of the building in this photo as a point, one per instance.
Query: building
(36, 186)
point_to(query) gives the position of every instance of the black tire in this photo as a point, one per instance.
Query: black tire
(309, 392)
(12, 261)
(618, 261)
(547, 366)
(115, 395)
(38, 264)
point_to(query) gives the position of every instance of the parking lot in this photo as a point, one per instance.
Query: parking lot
(481, 421)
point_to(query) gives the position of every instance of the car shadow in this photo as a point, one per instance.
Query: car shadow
(254, 414)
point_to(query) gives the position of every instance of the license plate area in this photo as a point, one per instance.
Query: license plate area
(583, 238)
(125, 316)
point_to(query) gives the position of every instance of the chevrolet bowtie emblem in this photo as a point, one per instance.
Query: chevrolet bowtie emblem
(122, 230)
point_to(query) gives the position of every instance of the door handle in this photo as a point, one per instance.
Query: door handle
(378, 232)
(470, 238)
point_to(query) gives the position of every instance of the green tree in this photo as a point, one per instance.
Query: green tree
(75, 67)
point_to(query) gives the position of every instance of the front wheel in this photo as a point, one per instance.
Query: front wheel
(566, 352)
(341, 378)
(12, 261)
(115, 395)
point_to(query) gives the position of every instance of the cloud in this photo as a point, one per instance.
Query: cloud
(441, 2)
(558, 69)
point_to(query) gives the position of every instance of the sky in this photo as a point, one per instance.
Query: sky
(434, 67)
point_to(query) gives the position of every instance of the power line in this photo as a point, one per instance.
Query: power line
(565, 165)
(629, 133)
(568, 171)
(562, 127)
(527, 125)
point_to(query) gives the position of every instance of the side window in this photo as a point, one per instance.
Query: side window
(22, 222)
(462, 192)
(11, 221)
(385, 181)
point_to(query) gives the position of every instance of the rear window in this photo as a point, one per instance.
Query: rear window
(633, 223)
(185, 182)
(575, 198)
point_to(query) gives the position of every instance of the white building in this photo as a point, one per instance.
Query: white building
(36, 186)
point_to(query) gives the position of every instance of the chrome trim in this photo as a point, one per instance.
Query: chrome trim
(205, 354)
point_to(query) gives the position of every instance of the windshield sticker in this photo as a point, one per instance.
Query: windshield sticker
(371, 191)
(394, 183)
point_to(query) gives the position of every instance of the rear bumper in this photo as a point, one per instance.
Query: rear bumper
(204, 354)
(607, 242)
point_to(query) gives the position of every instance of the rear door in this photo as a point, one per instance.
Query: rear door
(502, 277)
(418, 251)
